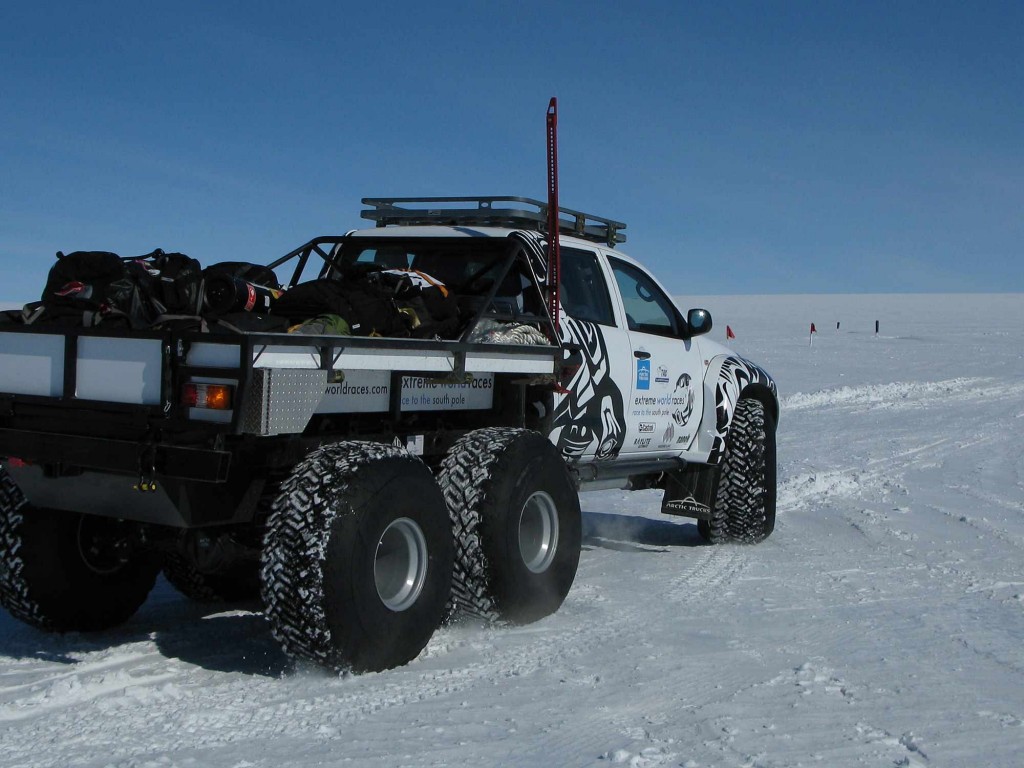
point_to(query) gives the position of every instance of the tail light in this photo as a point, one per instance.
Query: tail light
(217, 397)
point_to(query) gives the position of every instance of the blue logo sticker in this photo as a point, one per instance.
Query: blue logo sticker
(643, 374)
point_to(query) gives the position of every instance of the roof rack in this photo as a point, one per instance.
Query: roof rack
(387, 211)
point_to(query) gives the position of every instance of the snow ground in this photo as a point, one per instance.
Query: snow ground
(881, 625)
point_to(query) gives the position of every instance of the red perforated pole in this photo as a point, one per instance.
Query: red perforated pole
(554, 253)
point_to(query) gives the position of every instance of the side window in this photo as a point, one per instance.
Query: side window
(582, 289)
(648, 309)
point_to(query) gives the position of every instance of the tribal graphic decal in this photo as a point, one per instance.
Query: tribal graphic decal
(735, 375)
(533, 244)
(684, 391)
(591, 413)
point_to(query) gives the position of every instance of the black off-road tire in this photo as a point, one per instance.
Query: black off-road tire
(744, 509)
(240, 581)
(517, 524)
(332, 580)
(66, 572)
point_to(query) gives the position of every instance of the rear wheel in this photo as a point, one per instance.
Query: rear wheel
(232, 582)
(516, 516)
(64, 571)
(744, 509)
(357, 561)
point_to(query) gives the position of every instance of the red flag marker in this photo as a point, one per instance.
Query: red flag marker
(810, 336)
(813, 329)
(729, 334)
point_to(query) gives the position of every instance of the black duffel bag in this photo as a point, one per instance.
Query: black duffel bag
(89, 287)
(369, 309)
(429, 307)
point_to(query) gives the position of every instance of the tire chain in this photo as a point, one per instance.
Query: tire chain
(465, 479)
(14, 591)
(291, 563)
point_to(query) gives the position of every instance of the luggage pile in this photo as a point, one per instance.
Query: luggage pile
(369, 301)
(171, 290)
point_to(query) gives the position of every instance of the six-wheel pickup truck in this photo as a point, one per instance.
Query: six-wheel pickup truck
(370, 488)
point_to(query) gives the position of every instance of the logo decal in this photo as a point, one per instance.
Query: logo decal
(662, 377)
(643, 374)
(688, 506)
(646, 427)
(642, 442)
(669, 435)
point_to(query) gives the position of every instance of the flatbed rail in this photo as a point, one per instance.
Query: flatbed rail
(142, 372)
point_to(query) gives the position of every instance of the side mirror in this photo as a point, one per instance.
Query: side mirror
(699, 321)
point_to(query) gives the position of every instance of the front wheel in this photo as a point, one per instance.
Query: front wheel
(63, 571)
(517, 522)
(357, 560)
(744, 510)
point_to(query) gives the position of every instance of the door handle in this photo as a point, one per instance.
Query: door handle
(641, 355)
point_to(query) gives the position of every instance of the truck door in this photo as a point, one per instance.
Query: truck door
(589, 418)
(666, 398)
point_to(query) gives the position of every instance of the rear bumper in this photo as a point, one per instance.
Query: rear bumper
(119, 456)
(97, 493)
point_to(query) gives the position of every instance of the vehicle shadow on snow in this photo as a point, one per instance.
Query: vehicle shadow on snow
(222, 638)
(627, 533)
(235, 639)
(219, 637)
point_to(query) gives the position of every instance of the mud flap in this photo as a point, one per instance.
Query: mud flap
(690, 492)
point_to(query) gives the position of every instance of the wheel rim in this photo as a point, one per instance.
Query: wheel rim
(400, 564)
(101, 545)
(538, 532)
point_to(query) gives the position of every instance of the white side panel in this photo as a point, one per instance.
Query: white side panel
(119, 370)
(384, 359)
(370, 392)
(286, 357)
(355, 359)
(31, 364)
(507, 362)
(371, 359)
(360, 392)
(419, 394)
(214, 355)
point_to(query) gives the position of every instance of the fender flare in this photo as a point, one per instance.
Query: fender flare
(729, 378)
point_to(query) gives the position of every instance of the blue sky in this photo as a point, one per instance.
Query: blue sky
(750, 147)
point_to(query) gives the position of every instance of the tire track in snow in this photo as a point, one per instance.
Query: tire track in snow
(721, 565)
(85, 681)
(899, 395)
(696, 586)
(199, 711)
